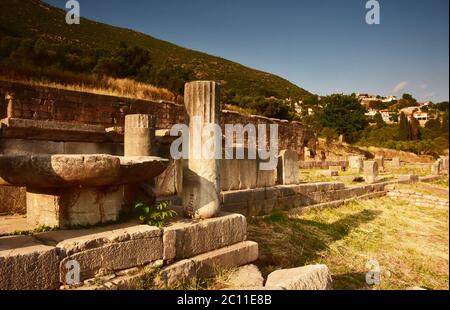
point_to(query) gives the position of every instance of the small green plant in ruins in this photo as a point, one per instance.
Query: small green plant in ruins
(156, 215)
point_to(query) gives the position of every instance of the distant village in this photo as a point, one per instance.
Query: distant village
(419, 112)
(386, 106)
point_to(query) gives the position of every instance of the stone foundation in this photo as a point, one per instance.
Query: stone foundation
(263, 201)
(119, 253)
(417, 199)
(73, 206)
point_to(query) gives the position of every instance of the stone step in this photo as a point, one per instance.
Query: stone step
(26, 264)
(200, 266)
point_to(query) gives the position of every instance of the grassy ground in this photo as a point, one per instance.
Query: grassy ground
(410, 244)
(347, 177)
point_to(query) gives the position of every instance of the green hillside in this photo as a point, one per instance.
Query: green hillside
(80, 48)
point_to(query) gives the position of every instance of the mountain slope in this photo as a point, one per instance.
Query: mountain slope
(35, 19)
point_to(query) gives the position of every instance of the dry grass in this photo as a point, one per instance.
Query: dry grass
(82, 83)
(410, 243)
(417, 169)
(347, 177)
(240, 110)
(218, 282)
(404, 156)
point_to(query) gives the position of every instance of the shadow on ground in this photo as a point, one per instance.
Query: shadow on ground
(289, 242)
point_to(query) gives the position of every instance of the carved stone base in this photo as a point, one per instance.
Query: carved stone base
(73, 206)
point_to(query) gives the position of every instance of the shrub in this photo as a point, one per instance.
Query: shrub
(156, 215)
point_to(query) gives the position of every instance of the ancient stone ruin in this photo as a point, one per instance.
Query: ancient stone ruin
(67, 190)
(74, 161)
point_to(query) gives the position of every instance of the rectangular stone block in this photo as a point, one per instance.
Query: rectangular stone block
(371, 171)
(327, 173)
(356, 163)
(233, 256)
(266, 178)
(26, 264)
(307, 188)
(69, 242)
(115, 256)
(229, 175)
(325, 187)
(396, 162)
(73, 206)
(207, 235)
(380, 161)
(248, 169)
(335, 168)
(241, 208)
(286, 203)
(288, 167)
(287, 190)
(242, 196)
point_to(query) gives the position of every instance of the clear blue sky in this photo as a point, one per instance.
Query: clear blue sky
(324, 46)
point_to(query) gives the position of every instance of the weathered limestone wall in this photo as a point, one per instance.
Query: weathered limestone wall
(44, 103)
(322, 164)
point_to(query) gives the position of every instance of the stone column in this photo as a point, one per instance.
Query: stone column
(380, 160)
(356, 163)
(9, 105)
(370, 171)
(444, 162)
(201, 177)
(139, 134)
(288, 168)
(436, 169)
(396, 162)
(139, 141)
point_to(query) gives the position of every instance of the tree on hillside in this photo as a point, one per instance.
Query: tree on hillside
(311, 101)
(126, 62)
(414, 129)
(432, 129)
(407, 101)
(394, 117)
(404, 133)
(442, 106)
(378, 119)
(172, 77)
(378, 105)
(344, 114)
(445, 126)
(329, 134)
(433, 124)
